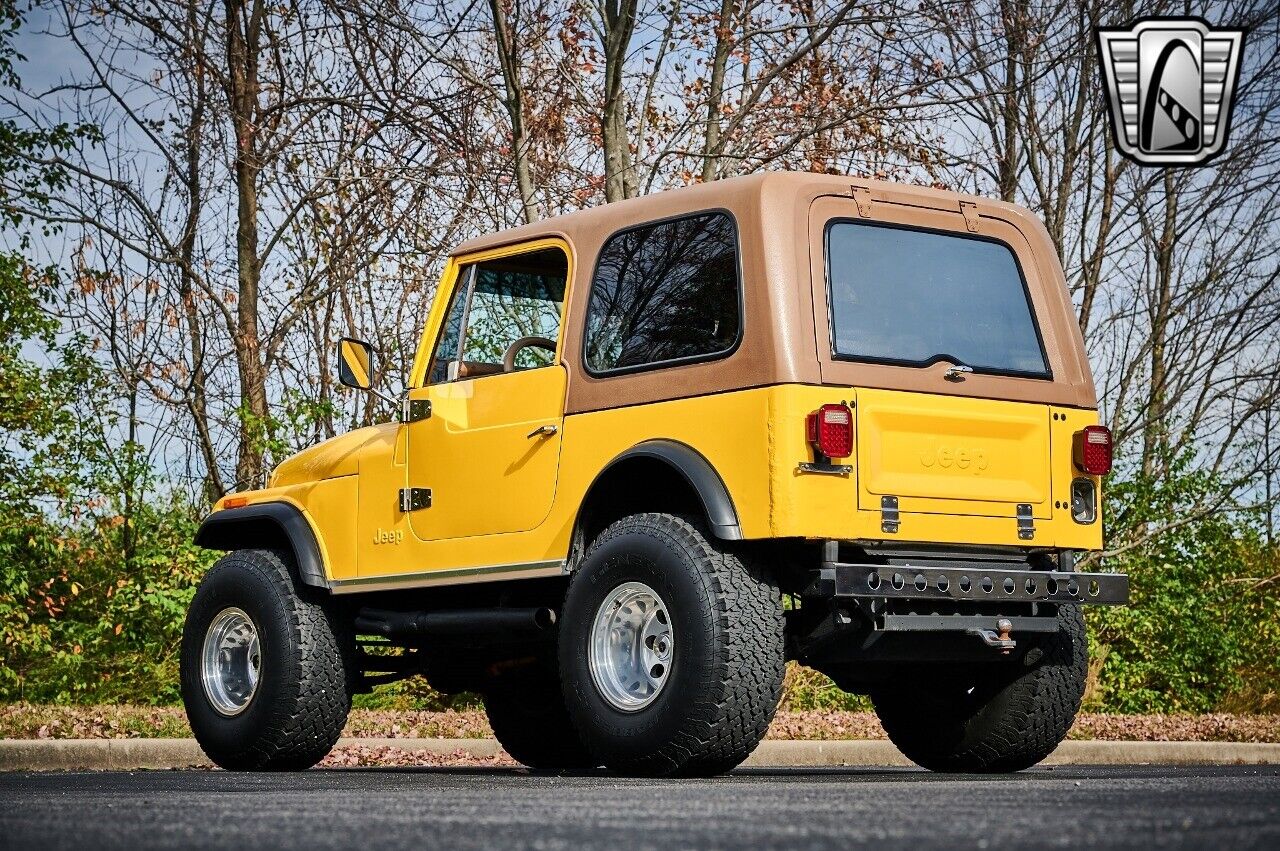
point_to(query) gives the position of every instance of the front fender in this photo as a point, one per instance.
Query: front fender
(266, 525)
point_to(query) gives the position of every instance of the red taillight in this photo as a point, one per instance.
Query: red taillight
(1092, 450)
(830, 430)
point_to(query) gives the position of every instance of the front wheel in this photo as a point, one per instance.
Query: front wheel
(997, 717)
(266, 674)
(671, 650)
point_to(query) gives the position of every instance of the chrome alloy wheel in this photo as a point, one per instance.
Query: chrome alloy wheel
(231, 661)
(631, 648)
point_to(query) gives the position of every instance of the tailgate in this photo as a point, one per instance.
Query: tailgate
(952, 454)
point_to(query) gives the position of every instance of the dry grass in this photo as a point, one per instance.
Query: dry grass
(353, 756)
(29, 721)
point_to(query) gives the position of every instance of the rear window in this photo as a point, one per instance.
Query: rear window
(916, 297)
(664, 293)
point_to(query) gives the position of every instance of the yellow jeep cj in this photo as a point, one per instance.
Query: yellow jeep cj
(649, 452)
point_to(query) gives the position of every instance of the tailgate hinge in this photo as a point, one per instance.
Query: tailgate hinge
(413, 410)
(889, 514)
(1026, 524)
(970, 212)
(411, 499)
(862, 196)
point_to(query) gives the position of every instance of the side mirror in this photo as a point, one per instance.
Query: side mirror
(355, 363)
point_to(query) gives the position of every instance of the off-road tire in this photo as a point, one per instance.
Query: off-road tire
(304, 690)
(1013, 718)
(527, 713)
(726, 673)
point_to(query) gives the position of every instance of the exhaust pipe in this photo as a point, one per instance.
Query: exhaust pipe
(454, 622)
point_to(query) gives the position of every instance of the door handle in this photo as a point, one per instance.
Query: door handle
(542, 431)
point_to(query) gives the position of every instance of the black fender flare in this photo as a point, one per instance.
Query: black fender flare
(260, 526)
(717, 504)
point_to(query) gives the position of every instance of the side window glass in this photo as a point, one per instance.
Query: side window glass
(664, 293)
(508, 306)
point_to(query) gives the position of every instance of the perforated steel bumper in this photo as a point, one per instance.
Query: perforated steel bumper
(972, 581)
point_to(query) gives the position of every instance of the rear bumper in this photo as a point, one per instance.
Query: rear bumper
(877, 607)
(974, 582)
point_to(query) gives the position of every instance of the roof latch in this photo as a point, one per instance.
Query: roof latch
(970, 211)
(862, 196)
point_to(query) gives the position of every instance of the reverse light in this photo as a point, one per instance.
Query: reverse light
(830, 431)
(1092, 450)
(1084, 501)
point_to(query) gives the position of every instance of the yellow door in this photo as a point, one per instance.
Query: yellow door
(489, 449)
(488, 452)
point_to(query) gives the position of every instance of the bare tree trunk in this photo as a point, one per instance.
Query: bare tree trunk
(715, 92)
(818, 88)
(1091, 274)
(1007, 158)
(619, 20)
(509, 60)
(197, 394)
(1268, 475)
(244, 32)
(129, 479)
(1154, 428)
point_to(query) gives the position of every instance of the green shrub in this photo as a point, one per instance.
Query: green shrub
(1202, 625)
(81, 624)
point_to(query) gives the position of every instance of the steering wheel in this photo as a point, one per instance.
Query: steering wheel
(509, 356)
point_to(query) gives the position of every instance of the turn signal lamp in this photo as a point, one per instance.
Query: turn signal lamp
(1092, 450)
(830, 431)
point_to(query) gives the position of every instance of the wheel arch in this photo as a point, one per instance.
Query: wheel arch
(267, 525)
(658, 475)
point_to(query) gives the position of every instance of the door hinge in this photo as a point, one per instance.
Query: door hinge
(862, 197)
(889, 514)
(411, 499)
(413, 410)
(970, 212)
(1026, 523)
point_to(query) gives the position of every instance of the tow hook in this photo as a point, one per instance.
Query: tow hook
(999, 639)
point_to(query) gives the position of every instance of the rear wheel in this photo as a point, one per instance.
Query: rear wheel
(266, 673)
(671, 650)
(527, 712)
(991, 718)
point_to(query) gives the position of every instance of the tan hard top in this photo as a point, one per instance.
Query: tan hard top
(780, 217)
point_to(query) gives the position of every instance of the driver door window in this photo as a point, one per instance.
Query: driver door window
(505, 317)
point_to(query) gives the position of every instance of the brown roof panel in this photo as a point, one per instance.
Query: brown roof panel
(784, 334)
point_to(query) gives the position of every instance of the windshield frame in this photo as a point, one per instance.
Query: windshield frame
(939, 357)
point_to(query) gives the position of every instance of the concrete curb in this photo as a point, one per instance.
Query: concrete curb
(776, 752)
(131, 754)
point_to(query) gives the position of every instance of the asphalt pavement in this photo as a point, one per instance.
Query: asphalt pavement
(457, 808)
